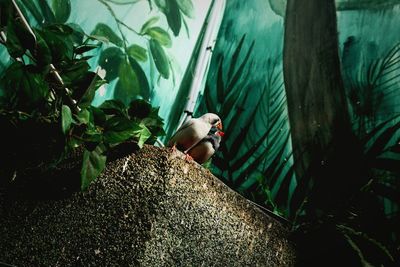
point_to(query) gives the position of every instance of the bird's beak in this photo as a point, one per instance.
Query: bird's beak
(221, 133)
(219, 125)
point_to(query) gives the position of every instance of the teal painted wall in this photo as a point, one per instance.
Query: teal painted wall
(368, 30)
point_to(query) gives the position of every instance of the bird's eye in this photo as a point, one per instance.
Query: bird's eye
(214, 121)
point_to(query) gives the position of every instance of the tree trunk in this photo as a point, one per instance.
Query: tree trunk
(318, 114)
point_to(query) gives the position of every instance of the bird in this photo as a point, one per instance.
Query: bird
(207, 146)
(193, 131)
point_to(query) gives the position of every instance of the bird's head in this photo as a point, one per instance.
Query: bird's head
(213, 119)
(215, 131)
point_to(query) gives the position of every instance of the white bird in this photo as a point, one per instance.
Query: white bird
(207, 146)
(193, 131)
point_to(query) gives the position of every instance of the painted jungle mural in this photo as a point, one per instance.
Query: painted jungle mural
(308, 93)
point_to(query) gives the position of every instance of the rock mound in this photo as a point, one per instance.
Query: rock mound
(151, 208)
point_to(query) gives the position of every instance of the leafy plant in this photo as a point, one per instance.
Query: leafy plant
(122, 60)
(253, 156)
(46, 95)
(365, 228)
(372, 88)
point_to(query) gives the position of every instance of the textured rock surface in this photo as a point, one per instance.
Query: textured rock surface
(148, 209)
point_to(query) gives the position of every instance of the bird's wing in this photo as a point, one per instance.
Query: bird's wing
(206, 127)
(202, 152)
(188, 123)
(195, 144)
(184, 126)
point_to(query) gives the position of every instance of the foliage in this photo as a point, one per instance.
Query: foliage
(365, 228)
(258, 164)
(257, 161)
(48, 117)
(122, 60)
(371, 89)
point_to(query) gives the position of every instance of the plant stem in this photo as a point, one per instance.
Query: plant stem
(119, 23)
(128, 27)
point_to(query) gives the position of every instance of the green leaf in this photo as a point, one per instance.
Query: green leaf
(46, 11)
(139, 109)
(281, 187)
(30, 5)
(74, 143)
(187, 7)
(56, 38)
(160, 35)
(209, 99)
(19, 39)
(113, 138)
(10, 82)
(92, 138)
(148, 24)
(128, 86)
(73, 72)
(120, 129)
(235, 57)
(220, 82)
(110, 60)
(374, 132)
(83, 116)
(161, 4)
(278, 6)
(60, 29)
(144, 135)
(238, 74)
(231, 100)
(32, 87)
(105, 31)
(113, 107)
(119, 124)
(137, 52)
(42, 52)
(62, 10)
(93, 164)
(66, 118)
(395, 148)
(143, 82)
(88, 96)
(173, 15)
(78, 33)
(366, 239)
(99, 117)
(160, 58)
(84, 48)
(155, 125)
(382, 141)
(186, 27)
(237, 164)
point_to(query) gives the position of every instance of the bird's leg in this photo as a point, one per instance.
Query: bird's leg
(188, 158)
(173, 148)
